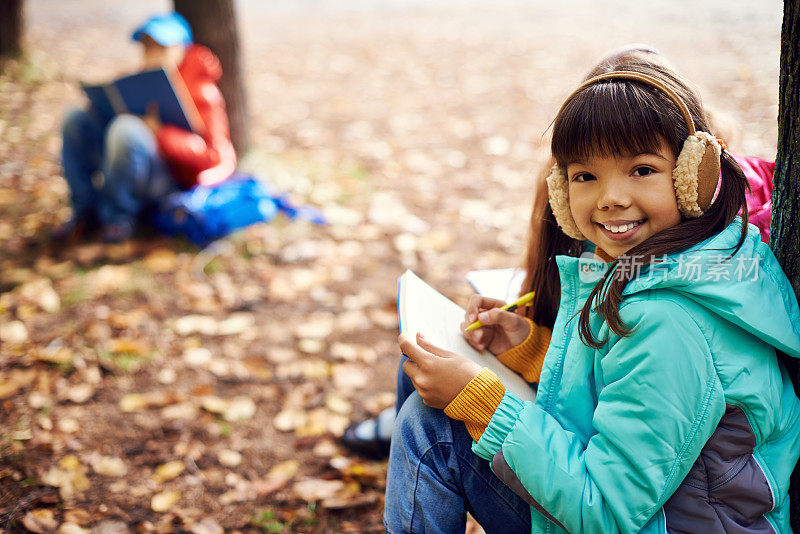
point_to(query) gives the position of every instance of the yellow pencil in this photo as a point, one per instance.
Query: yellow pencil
(524, 300)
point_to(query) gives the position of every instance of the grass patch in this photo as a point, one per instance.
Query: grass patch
(76, 295)
(125, 362)
(267, 522)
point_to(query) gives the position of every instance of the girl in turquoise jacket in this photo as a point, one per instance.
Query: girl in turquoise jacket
(662, 404)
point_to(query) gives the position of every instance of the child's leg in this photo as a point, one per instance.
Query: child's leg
(434, 479)
(81, 153)
(135, 175)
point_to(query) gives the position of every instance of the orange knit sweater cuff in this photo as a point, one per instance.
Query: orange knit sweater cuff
(527, 357)
(476, 403)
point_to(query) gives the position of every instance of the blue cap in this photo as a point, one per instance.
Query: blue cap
(167, 30)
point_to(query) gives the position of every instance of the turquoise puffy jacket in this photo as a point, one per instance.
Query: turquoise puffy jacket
(690, 424)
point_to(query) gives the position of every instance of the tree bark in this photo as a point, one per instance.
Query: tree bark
(213, 24)
(11, 23)
(784, 231)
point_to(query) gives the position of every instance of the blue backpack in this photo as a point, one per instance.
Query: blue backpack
(204, 214)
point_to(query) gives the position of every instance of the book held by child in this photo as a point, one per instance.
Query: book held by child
(423, 309)
(133, 94)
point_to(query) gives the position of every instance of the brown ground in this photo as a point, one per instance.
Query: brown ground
(416, 128)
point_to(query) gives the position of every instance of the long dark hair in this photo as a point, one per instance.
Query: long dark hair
(628, 117)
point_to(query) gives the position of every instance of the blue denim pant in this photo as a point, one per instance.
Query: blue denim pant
(134, 176)
(434, 478)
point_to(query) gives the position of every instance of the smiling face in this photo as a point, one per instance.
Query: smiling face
(618, 202)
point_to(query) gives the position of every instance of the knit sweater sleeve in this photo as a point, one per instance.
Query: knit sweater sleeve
(477, 402)
(527, 358)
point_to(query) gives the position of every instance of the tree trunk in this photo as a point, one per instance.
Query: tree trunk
(213, 24)
(784, 231)
(10, 28)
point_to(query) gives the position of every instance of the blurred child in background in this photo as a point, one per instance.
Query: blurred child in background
(118, 170)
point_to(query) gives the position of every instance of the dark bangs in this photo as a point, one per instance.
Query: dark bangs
(614, 117)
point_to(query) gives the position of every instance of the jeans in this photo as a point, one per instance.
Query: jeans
(134, 177)
(405, 387)
(434, 479)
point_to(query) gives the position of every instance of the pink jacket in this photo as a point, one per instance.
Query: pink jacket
(759, 201)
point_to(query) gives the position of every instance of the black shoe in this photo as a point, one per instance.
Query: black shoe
(374, 447)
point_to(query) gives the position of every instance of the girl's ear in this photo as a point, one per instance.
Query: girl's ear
(558, 192)
(696, 173)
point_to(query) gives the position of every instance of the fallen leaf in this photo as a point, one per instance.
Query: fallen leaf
(41, 293)
(110, 526)
(197, 356)
(16, 380)
(229, 458)
(68, 425)
(61, 356)
(161, 261)
(109, 466)
(349, 501)
(167, 376)
(349, 376)
(311, 346)
(13, 332)
(129, 319)
(168, 471)
(128, 346)
(338, 404)
(289, 420)
(80, 393)
(70, 462)
(316, 423)
(206, 526)
(72, 528)
(41, 521)
(325, 449)
(78, 516)
(237, 323)
(109, 279)
(195, 324)
(69, 477)
(234, 409)
(136, 402)
(161, 502)
(182, 411)
(278, 477)
(315, 326)
(315, 489)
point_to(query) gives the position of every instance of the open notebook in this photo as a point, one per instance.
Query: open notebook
(423, 309)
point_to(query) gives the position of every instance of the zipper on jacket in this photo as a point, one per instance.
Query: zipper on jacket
(559, 366)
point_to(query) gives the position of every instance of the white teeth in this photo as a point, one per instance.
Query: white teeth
(623, 228)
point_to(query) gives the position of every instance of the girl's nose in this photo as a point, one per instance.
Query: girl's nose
(613, 195)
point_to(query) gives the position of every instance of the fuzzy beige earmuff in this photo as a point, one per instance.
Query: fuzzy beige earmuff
(696, 170)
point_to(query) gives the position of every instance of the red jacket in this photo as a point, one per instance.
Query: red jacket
(206, 157)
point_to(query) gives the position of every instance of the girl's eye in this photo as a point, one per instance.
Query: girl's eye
(582, 177)
(643, 171)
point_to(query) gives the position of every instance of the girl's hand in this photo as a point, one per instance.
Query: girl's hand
(501, 329)
(437, 374)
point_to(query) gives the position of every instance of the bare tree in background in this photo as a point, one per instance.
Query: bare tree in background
(11, 22)
(213, 24)
(785, 227)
